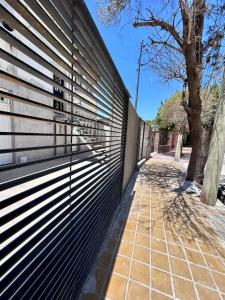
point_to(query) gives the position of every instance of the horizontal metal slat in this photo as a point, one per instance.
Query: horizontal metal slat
(76, 263)
(91, 31)
(82, 29)
(13, 199)
(77, 242)
(45, 252)
(58, 198)
(39, 43)
(6, 113)
(22, 65)
(41, 29)
(30, 218)
(12, 183)
(50, 38)
(52, 146)
(6, 185)
(22, 47)
(54, 134)
(104, 71)
(24, 251)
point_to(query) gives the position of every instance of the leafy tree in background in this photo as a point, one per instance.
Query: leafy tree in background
(210, 101)
(185, 43)
(171, 115)
(151, 122)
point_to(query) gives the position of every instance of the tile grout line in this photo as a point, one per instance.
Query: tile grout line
(164, 294)
(178, 258)
(218, 290)
(174, 244)
(175, 275)
(193, 282)
(188, 262)
(170, 268)
(202, 241)
(140, 199)
(128, 277)
(189, 267)
(132, 255)
(117, 241)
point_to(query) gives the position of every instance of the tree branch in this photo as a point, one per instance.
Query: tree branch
(153, 22)
(168, 72)
(166, 44)
(185, 12)
(186, 108)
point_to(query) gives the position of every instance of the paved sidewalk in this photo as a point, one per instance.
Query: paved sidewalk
(161, 244)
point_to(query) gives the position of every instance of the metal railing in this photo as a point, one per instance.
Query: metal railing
(146, 140)
(62, 144)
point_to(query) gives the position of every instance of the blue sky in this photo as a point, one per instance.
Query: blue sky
(123, 42)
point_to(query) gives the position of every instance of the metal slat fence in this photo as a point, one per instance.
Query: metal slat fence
(146, 140)
(63, 126)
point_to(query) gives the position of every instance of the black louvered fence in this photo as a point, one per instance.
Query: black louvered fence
(63, 129)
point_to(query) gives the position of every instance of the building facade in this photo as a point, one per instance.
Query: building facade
(72, 124)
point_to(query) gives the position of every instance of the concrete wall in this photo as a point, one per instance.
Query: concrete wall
(131, 144)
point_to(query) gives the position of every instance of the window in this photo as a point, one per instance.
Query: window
(58, 105)
(58, 93)
(58, 80)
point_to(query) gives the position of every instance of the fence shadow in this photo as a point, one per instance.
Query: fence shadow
(113, 242)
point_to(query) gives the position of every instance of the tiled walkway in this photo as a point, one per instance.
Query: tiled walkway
(160, 246)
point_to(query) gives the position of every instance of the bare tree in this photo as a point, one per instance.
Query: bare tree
(186, 43)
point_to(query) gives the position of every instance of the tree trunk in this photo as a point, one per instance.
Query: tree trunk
(202, 158)
(195, 108)
(216, 154)
(196, 136)
(178, 147)
(200, 141)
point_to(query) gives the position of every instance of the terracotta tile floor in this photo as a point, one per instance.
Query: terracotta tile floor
(157, 247)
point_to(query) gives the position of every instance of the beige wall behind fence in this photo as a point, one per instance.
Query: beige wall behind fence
(131, 144)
